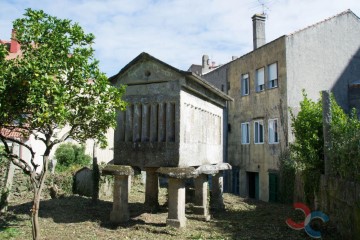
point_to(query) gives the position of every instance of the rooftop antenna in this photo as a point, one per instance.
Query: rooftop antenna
(264, 5)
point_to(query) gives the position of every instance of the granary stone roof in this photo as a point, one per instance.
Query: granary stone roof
(188, 75)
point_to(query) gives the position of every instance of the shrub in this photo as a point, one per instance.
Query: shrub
(345, 148)
(287, 170)
(308, 148)
(69, 155)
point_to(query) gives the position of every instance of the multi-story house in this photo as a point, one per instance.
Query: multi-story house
(267, 81)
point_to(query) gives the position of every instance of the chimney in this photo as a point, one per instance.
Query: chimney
(14, 45)
(258, 30)
(205, 64)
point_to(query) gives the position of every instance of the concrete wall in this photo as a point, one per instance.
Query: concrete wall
(103, 155)
(324, 56)
(219, 77)
(265, 105)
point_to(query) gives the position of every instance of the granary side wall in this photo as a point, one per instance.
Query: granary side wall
(201, 140)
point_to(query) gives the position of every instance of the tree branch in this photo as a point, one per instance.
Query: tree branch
(4, 139)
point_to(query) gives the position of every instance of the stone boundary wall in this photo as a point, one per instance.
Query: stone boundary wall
(2, 175)
(340, 200)
(21, 183)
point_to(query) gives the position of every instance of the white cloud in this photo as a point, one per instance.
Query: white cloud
(178, 32)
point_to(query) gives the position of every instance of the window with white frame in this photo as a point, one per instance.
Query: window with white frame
(273, 131)
(245, 133)
(273, 75)
(245, 84)
(258, 131)
(260, 79)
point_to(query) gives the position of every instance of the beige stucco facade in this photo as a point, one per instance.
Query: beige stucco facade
(268, 104)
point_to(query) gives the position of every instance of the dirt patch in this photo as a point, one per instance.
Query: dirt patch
(74, 217)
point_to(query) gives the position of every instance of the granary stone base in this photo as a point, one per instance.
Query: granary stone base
(177, 223)
(216, 200)
(176, 216)
(201, 196)
(151, 187)
(120, 211)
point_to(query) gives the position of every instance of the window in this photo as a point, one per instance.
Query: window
(245, 84)
(245, 133)
(273, 131)
(260, 86)
(273, 76)
(258, 132)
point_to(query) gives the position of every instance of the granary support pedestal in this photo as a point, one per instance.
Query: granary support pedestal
(120, 211)
(151, 187)
(216, 199)
(201, 196)
(176, 216)
(176, 191)
(216, 170)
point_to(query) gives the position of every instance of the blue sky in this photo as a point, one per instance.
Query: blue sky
(177, 32)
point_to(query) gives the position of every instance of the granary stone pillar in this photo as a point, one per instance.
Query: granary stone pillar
(201, 196)
(176, 193)
(216, 200)
(151, 187)
(176, 216)
(120, 211)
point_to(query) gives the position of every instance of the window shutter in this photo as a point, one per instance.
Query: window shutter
(244, 133)
(273, 71)
(260, 76)
(271, 131)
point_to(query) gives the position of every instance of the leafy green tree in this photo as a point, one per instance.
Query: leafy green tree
(345, 147)
(69, 154)
(308, 147)
(55, 84)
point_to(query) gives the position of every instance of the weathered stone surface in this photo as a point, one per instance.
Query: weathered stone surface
(180, 173)
(176, 216)
(117, 170)
(201, 196)
(341, 202)
(163, 127)
(216, 199)
(213, 169)
(83, 182)
(163, 123)
(120, 211)
(151, 188)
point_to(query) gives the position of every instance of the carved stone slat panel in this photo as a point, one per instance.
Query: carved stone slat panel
(145, 128)
(137, 123)
(170, 122)
(120, 131)
(162, 122)
(129, 123)
(154, 123)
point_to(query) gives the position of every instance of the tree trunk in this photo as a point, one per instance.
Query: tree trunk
(35, 214)
(96, 175)
(38, 187)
